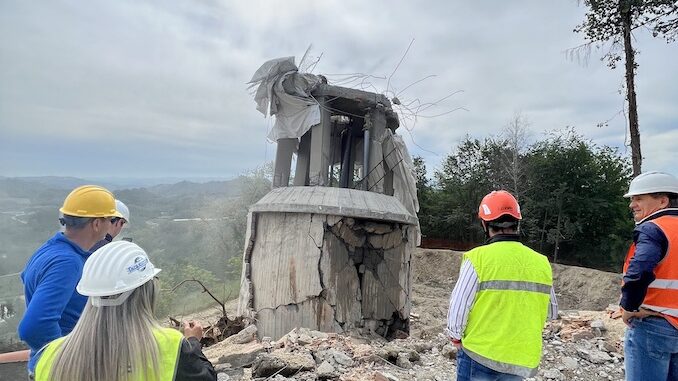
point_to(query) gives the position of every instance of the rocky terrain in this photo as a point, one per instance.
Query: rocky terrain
(580, 345)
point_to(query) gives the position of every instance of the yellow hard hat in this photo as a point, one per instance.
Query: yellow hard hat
(90, 201)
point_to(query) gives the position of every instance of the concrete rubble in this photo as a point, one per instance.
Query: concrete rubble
(581, 345)
(305, 354)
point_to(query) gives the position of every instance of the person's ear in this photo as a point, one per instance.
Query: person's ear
(100, 224)
(96, 224)
(665, 202)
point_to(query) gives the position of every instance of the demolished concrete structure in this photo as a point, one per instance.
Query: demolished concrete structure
(332, 252)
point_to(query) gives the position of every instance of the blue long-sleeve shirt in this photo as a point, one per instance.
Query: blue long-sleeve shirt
(651, 247)
(53, 306)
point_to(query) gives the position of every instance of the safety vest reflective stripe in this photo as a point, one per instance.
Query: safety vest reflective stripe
(663, 310)
(670, 284)
(514, 285)
(502, 367)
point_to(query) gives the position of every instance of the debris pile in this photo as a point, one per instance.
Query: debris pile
(305, 354)
(582, 346)
(579, 346)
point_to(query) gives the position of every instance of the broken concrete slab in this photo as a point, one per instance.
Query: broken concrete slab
(351, 237)
(283, 363)
(237, 355)
(244, 336)
(326, 371)
(377, 228)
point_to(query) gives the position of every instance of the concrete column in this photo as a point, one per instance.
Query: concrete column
(376, 173)
(283, 162)
(320, 147)
(357, 156)
(346, 159)
(303, 156)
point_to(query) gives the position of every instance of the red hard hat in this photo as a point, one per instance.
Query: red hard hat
(497, 204)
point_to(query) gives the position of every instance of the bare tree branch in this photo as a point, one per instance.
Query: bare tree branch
(204, 289)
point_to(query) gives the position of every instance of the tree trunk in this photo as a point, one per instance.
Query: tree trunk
(543, 231)
(557, 243)
(626, 15)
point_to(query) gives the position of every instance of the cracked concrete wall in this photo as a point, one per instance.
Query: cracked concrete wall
(328, 273)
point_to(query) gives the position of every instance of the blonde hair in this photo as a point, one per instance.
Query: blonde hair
(112, 343)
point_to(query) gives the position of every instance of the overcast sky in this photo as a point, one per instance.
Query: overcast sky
(150, 89)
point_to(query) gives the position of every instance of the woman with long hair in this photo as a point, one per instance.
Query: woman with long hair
(117, 337)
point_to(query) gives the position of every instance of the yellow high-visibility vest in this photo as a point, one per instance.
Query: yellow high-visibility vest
(169, 345)
(504, 328)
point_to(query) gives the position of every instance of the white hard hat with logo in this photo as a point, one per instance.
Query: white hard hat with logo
(117, 268)
(653, 182)
(122, 209)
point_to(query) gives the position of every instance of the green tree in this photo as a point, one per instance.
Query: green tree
(424, 193)
(462, 182)
(574, 207)
(569, 188)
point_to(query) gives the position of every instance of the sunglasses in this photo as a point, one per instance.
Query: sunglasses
(115, 220)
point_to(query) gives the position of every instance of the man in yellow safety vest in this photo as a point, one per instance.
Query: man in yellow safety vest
(501, 300)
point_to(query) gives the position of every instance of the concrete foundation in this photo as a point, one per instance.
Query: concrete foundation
(307, 266)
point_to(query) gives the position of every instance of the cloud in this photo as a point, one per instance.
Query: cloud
(138, 88)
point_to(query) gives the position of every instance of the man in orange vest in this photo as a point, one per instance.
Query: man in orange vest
(649, 299)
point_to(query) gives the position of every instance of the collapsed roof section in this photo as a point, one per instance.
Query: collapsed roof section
(293, 98)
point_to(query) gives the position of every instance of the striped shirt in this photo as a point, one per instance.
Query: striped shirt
(463, 296)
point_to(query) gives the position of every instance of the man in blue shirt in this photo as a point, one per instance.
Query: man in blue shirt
(53, 306)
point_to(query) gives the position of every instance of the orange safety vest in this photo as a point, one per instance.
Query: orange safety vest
(662, 294)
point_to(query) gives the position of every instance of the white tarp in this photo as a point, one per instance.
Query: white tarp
(284, 92)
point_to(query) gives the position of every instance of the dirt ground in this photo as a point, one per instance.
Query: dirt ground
(436, 271)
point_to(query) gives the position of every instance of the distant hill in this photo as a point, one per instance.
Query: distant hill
(29, 210)
(36, 191)
(55, 182)
(26, 186)
(182, 198)
(137, 182)
(227, 188)
(211, 185)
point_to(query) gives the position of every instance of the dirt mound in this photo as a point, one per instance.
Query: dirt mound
(435, 267)
(434, 273)
(578, 288)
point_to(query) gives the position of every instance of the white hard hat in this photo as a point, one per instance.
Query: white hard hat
(653, 182)
(122, 209)
(116, 268)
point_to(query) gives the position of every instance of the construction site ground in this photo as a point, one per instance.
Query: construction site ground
(583, 344)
